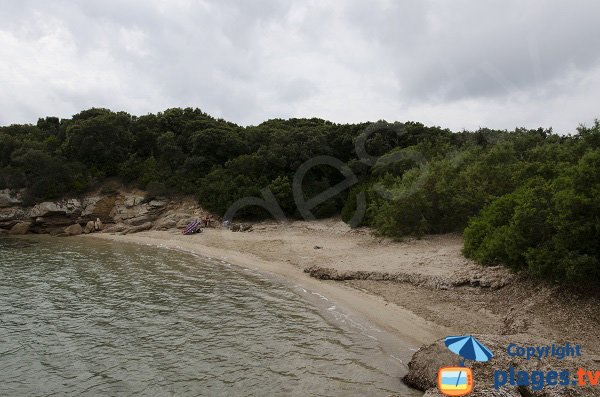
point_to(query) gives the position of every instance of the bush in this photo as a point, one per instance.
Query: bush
(529, 199)
(551, 228)
(155, 189)
(510, 226)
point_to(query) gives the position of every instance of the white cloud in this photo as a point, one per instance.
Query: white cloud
(457, 64)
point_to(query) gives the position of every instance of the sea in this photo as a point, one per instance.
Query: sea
(90, 317)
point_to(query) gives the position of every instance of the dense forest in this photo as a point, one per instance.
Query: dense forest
(528, 199)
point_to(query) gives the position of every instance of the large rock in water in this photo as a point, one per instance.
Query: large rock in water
(74, 230)
(20, 228)
(425, 363)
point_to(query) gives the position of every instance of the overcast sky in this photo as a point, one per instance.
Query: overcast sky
(457, 64)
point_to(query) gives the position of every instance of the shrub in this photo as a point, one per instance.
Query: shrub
(551, 228)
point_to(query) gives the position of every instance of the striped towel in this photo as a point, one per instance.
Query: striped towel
(192, 227)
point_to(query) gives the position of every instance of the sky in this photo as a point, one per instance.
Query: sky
(457, 64)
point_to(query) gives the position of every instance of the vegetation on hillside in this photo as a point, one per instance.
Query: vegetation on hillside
(528, 199)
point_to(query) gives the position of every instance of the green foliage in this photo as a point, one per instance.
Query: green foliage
(101, 139)
(549, 227)
(527, 198)
(281, 187)
(350, 207)
(154, 190)
(46, 176)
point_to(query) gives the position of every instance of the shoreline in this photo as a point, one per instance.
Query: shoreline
(420, 290)
(403, 325)
(415, 291)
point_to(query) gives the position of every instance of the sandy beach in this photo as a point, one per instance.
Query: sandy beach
(264, 250)
(415, 289)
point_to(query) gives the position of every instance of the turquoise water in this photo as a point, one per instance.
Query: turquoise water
(90, 317)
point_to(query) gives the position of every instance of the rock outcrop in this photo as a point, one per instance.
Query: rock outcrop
(89, 227)
(11, 216)
(20, 228)
(68, 208)
(174, 219)
(120, 211)
(53, 216)
(491, 277)
(132, 210)
(10, 198)
(98, 207)
(74, 230)
(138, 228)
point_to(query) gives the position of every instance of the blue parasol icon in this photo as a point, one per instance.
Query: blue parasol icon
(468, 348)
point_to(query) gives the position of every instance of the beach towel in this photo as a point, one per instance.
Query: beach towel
(192, 227)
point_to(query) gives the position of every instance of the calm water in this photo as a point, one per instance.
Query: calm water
(99, 318)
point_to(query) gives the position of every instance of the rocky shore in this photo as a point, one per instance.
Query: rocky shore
(122, 211)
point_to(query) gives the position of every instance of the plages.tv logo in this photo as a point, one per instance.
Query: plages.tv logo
(458, 380)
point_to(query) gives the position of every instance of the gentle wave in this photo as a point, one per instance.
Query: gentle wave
(100, 318)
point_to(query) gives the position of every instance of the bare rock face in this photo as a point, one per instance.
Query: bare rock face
(131, 210)
(10, 198)
(20, 228)
(119, 227)
(139, 228)
(93, 212)
(140, 220)
(74, 230)
(132, 201)
(98, 207)
(55, 214)
(157, 203)
(89, 227)
(174, 219)
(11, 216)
(70, 207)
(183, 222)
(165, 223)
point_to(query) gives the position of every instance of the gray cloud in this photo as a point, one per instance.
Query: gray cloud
(457, 64)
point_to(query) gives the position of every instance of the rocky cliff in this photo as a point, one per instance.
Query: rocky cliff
(119, 211)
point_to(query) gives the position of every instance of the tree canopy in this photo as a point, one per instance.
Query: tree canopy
(528, 199)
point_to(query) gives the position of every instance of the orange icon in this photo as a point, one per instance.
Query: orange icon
(455, 381)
